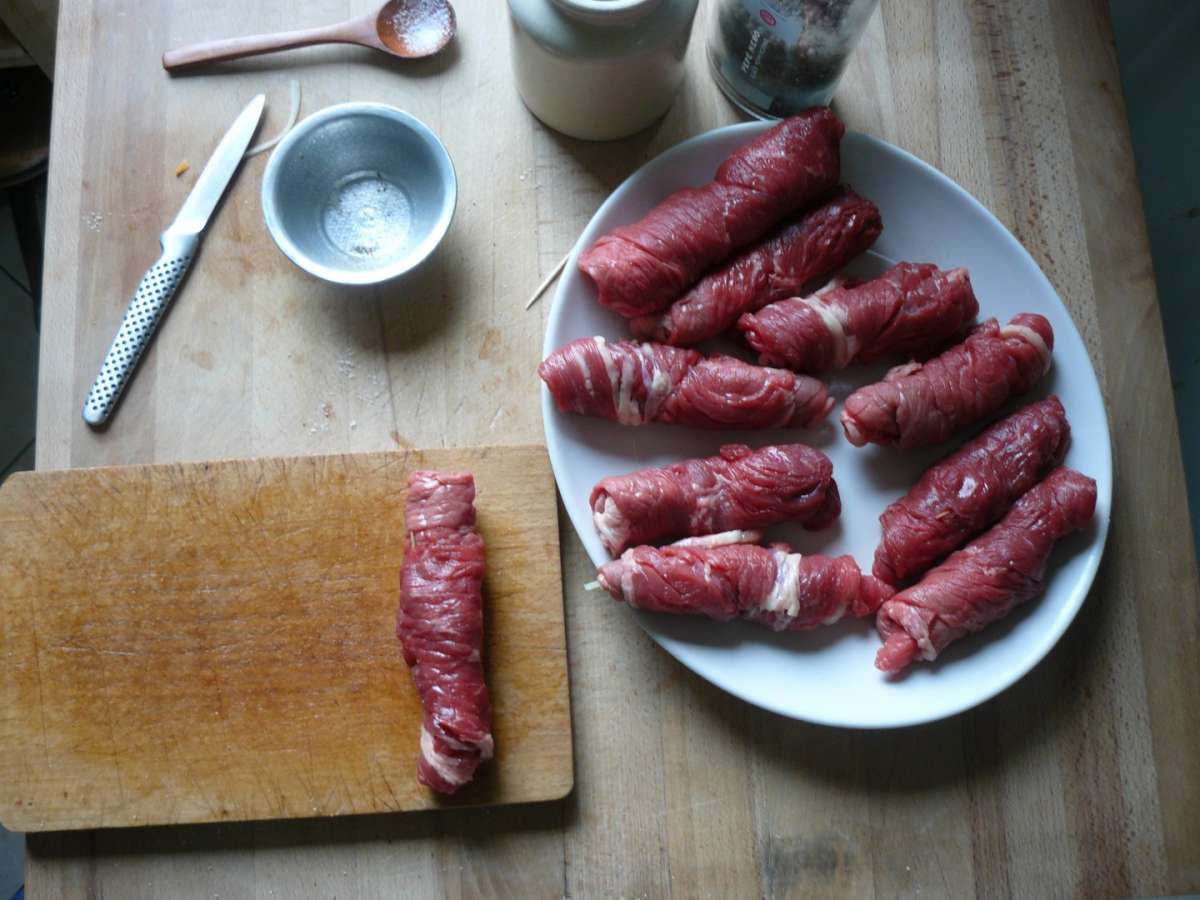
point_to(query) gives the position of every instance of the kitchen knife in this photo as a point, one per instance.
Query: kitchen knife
(158, 285)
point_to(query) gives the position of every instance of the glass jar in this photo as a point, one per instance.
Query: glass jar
(774, 58)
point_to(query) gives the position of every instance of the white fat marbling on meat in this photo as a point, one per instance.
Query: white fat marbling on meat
(854, 434)
(1024, 331)
(837, 281)
(628, 412)
(725, 538)
(627, 583)
(784, 599)
(621, 383)
(611, 524)
(580, 360)
(910, 622)
(710, 500)
(444, 765)
(853, 342)
(660, 387)
(841, 344)
(610, 367)
(967, 488)
(835, 616)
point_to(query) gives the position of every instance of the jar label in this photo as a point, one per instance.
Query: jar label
(783, 26)
(781, 56)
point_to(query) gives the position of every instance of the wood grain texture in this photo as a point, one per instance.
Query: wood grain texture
(1076, 781)
(207, 642)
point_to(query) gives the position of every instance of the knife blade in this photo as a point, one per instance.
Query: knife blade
(159, 284)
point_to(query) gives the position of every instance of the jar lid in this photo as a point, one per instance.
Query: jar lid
(607, 12)
(603, 29)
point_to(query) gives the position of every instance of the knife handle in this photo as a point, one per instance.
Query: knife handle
(145, 311)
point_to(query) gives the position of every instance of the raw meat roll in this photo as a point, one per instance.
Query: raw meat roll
(924, 403)
(638, 383)
(440, 626)
(970, 490)
(912, 308)
(988, 578)
(740, 489)
(640, 268)
(769, 585)
(822, 240)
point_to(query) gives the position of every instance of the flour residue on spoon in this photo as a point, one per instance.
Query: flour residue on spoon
(423, 25)
(367, 217)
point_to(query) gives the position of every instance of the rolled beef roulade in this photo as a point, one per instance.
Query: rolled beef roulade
(986, 580)
(640, 268)
(911, 308)
(821, 240)
(923, 403)
(638, 383)
(739, 489)
(723, 578)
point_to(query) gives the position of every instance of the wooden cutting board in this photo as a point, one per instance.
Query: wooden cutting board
(216, 641)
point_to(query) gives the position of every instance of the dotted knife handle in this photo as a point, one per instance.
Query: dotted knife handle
(141, 320)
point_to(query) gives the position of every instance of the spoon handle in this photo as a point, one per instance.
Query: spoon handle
(253, 45)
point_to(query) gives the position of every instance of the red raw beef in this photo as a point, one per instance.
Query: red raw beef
(440, 626)
(769, 585)
(911, 308)
(640, 268)
(740, 489)
(638, 383)
(822, 240)
(988, 578)
(970, 490)
(924, 403)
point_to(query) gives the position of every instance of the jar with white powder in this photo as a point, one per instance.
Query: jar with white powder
(599, 69)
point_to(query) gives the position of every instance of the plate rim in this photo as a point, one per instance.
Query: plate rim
(1080, 591)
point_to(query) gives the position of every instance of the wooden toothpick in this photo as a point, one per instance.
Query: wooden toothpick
(547, 282)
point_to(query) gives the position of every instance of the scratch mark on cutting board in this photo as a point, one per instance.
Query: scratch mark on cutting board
(310, 780)
(72, 648)
(37, 661)
(112, 731)
(387, 783)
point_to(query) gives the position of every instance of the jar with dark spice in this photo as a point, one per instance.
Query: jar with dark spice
(774, 58)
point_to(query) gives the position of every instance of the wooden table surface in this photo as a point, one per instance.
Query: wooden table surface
(1082, 779)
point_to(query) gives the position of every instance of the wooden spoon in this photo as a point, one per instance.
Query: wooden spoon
(409, 29)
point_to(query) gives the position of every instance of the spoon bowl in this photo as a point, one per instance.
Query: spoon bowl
(406, 29)
(415, 28)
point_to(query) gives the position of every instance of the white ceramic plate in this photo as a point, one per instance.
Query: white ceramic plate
(828, 675)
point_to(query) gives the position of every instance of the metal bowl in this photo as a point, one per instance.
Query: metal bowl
(359, 193)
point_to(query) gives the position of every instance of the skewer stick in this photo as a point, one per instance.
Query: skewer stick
(554, 273)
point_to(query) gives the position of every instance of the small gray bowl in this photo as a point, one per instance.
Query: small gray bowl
(359, 193)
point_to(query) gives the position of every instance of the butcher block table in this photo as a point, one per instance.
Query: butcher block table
(1082, 779)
